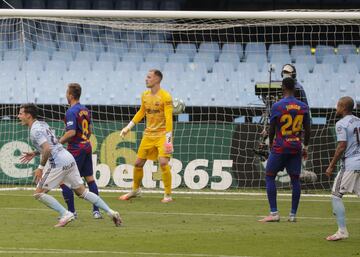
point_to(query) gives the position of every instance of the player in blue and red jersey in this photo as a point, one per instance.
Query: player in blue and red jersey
(289, 117)
(77, 135)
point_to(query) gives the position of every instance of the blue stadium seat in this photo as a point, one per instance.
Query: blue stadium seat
(148, 5)
(103, 5)
(156, 57)
(323, 70)
(35, 68)
(109, 57)
(57, 4)
(47, 95)
(186, 48)
(302, 70)
(223, 70)
(69, 47)
(196, 71)
(280, 58)
(354, 59)
(86, 56)
(210, 48)
(156, 37)
(278, 49)
(227, 57)
(259, 59)
(334, 60)
(40, 56)
(131, 36)
(233, 48)
(179, 57)
(80, 4)
(174, 67)
(46, 45)
(63, 56)
(126, 66)
(258, 48)
(207, 58)
(164, 48)
(71, 29)
(35, 4)
(81, 67)
(247, 72)
(346, 49)
(14, 59)
(120, 48)
(133, 57)
(57, 67)
(125, 4)
(309, 60)
(146, 66)
(300, 50)
(140, 47)
(322, 50)
(170, 5)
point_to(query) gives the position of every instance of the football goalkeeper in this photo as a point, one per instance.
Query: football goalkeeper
(156, 105)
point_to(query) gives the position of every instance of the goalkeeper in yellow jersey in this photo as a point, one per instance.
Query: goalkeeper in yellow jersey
(156, 105)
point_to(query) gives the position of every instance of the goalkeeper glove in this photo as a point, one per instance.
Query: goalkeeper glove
(168, 143)
(125, 130)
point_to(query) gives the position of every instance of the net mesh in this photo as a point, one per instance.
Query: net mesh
(211, 64)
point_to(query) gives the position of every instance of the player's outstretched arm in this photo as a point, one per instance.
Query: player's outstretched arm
(28, 156)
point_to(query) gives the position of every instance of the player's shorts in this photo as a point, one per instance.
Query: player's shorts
(53, 177)
(278, 161)
(84, 163)
(346, 182)
(151, 148)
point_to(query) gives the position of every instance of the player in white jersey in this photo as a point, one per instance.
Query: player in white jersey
(348, 150)
(61, 168)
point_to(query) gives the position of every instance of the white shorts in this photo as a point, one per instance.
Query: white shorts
(346, 182)
(69, 175)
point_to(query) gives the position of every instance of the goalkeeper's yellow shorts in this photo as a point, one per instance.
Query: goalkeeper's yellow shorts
(151, 148)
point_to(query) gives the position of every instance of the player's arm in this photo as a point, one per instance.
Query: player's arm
(45, 154)
(71, 123)
(28, 156)
(168, 111)
(137, 118)
(340, 149)
(307, 133)
(272, 129)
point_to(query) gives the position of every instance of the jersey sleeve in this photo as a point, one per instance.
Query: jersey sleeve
(38, 136)
(274, 112)
(70, 118)
(340, 132)
(168, 111)
(140, 113)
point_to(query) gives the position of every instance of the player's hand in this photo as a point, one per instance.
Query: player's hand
(304, 153)
(329, 171)
(169, 148)
(37, 175)
(27, 157)
(124, 131)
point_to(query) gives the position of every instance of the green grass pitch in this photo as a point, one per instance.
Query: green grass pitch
(193, 225)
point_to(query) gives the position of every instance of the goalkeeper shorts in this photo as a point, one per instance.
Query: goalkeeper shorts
(151, 148)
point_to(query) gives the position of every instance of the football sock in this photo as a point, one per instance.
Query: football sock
(52, 203)
(296, 192)
(93, 188)
(271, 192)
(68, 195)
(138, 176)
(96, 200)
(339, 211)
(166, 178)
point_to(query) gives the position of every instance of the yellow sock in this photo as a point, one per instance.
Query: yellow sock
(137, 177)
(166, 178)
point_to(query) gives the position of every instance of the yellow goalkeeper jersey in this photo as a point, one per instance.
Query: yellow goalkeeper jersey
(158, 111)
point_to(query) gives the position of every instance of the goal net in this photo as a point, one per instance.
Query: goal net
(211, 61)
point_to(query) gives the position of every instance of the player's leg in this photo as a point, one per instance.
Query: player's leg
(68, 196)
(73, 178)
(51, 179)
(273, 165)
(164, 159)
(293, 167)
(345, 182)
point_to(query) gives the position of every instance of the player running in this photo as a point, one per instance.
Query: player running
(61, 168)
(288, 117)
(156, 105)
(348, 150)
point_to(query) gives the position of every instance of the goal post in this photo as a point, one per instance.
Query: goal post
(210, 60)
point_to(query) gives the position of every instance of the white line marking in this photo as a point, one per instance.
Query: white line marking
(179, 213)
(74, 251)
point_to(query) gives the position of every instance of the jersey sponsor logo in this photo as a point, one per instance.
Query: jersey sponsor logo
(69, 123)
(67, 167)
(293, 107)
(152, 111)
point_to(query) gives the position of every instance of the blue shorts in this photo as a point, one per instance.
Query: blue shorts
(278, 161)
(84, 163)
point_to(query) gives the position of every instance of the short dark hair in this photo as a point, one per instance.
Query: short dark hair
(75, 90)
(288, 83)
(157, 73)
(31, 109)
